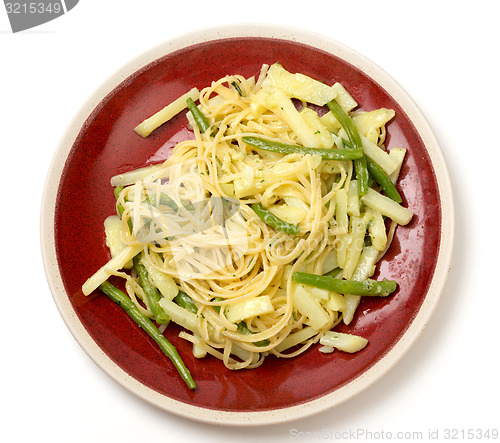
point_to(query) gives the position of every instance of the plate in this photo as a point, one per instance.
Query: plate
(100, 142)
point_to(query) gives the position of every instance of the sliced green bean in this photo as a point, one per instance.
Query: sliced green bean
(237, 87)
(334, 273)
(271, 220)
(186, 302)
(122, 300)
(283, 148)
(119, 208)
(352, 133)
(152, 294)
(198, 116)
(366, 287)
(243, 329)
(215, 307)
(346, 122)
(383, 180)
(166, 200)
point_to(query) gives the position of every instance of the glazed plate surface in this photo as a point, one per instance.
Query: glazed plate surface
(101, 142)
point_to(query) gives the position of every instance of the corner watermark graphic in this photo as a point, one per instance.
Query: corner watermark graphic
(29, 14)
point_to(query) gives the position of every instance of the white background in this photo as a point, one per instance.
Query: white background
(445, 54)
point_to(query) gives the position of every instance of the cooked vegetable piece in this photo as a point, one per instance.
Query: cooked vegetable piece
(150, 124)
(324, 137)
(357, 232)
(366, 287)
(355, 140)
(370, 123)
(353, 202)
(112, 230)
(119, 207)
(300, 86)
(183, 317)
(344, 342)
(122, 300)
(364, 270)
(398, 155)
(277, 101)
(387, 207)
(343, 223)
(151, 292)
(283, 148)
(296, 338)
(243, 329)
(198, 116)
(288, 213)
(376, 229)
(252, 307)
(377, 154)
(309, 306)
(344, 98)
(237, 87)
(336, 301)
(130, 177)
(186, 302)
(383, 180)
(115, 264)
(165, 283)
(270, 219)
(330, 264)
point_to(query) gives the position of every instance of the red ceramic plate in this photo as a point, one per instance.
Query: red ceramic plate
(101, 143)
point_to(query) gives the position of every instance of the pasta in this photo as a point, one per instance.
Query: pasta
(229, 224)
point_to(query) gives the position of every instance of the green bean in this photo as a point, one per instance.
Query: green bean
(346, 122)
(361, 175)
(383, 180)
(366, 287)
(243, 329)
(152, 294)
(215, 307)
(122, 300)
(119, 208)
(282, 148)
(238, 89)
(352, 133)
(334, 273)
(271, 220)
(198, 116)
(186, 302)
(376, 173)
(164, 200)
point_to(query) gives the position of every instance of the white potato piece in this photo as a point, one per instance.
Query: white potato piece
(344, 342)
(300, 86)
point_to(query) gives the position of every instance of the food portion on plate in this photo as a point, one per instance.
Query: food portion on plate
(260, 233)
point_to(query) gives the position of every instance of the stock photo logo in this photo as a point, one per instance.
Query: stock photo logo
(29, 14)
